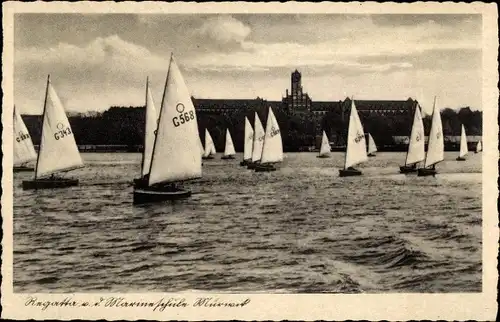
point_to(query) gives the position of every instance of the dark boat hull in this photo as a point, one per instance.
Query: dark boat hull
(141, 183)
(251, 165)
(424, 172)
(407, 169)
(323, 156)
(227, 157)
(50, 183)
(460, 159)
(244, 163)
(150, 195)
(371, 155)
(264, 168)
(349, 172)
(23, 169)
(210, 157)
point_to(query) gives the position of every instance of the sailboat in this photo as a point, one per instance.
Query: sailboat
(372, 148)
(58, 150)
(24, 151)
(272, 150)
(325, 149)
(175, 156)
(209, 146)
(356, 145)
(463, 146)
(416, 146)
(435, 148)
(248, 143)
(479, 147)
(229, 151)
(258, 143)
(149, 138)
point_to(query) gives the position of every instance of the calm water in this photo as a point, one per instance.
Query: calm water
(300, 229)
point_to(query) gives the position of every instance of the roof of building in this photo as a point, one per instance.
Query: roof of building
(382, 104)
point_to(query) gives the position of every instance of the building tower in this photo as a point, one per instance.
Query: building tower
(297, 101)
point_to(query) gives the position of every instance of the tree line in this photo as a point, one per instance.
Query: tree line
(125, 126)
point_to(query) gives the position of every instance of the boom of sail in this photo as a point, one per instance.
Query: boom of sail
(149, 132)
(356, 143)
(248, 144)
(24, 151)
(176, 154)
(258, 139)
(435, 149)
(272, 150)
(58, 149)
(229, 148)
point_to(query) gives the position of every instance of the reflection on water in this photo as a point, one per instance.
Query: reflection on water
(299, 229)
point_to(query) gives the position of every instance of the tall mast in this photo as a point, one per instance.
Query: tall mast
(161, 110)
(43, 119)
(433, 111)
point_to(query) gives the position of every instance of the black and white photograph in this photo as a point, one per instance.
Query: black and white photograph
(190, 160)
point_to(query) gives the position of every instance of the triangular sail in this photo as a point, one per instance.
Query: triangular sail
(463, 143)
(416, 147)
(272, 150)
(229, 148)
(356, 143)
(247, 149)
(258, 139)
(479, 147)
(176, 154)
(58, 149)
(24, 151)
(435, 149)
(372, 148)
(325, 145)
(209, 144)
(150, 130)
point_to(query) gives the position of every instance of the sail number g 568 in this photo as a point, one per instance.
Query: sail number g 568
(183, 117)
(63, 131)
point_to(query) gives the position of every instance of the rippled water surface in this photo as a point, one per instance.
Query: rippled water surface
(299, 229)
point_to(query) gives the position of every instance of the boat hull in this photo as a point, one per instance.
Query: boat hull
(424, 172)
(252, 165)
(210, 157)
(227, 157)
(371, 155)
(349, 172)
(460, 159)
(407, 169)
(151, 194)
(22, 169)
(244, 163)
(265, 167)
(323, 156)
(50, 183)
(141, 183)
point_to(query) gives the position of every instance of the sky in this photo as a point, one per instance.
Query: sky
(100, 60)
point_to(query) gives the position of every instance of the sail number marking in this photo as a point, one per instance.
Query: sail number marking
(22, 136)
(274, 131)
(183, 117)
(359, 137)
(418, 137)
(63, 131)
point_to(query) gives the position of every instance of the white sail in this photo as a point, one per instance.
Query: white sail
(416, 147)
(247, 149)
(325, 145)
(229, 148)
(463, 143)
(209, 144)
(435, 148)
(24, 151)
(372, 148)
(479, 147)
(58, 149)
(150, 129)
(356, 143)
(272, 151)
(258, 139)
(176, 149)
